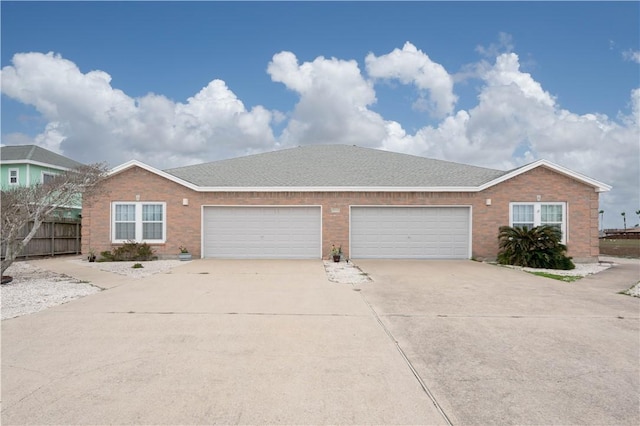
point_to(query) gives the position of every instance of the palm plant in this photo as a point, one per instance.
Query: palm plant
(624, 220)
(538, 247)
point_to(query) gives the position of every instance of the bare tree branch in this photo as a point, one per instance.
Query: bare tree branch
(22, 205)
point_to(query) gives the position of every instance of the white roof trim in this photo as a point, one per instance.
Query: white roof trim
(35, 163)
(135, 163)
(599, 186)
(339, 189)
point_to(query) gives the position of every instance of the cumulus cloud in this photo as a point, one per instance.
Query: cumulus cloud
(93, 120)
(513, 122)
(334, 102)
(516, 122)
(412, 66)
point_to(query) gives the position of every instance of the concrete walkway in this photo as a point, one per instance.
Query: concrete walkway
(211, 342)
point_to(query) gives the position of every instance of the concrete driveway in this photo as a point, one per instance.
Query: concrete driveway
(499, 346)
(213, 342)
(248, 342)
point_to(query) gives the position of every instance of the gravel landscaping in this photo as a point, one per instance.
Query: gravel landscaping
(126, 268)
(581, 269)
(345, 273)
(34, 289)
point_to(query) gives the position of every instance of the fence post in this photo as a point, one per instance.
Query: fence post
(53, 238)
(26, 248)
(77, 238)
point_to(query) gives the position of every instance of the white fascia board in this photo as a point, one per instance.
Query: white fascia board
(337, 189)
(36, 163)
(135, 163)
(598, 186)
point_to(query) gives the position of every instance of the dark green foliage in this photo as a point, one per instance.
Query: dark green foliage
(129, 251)
(539, 247)
(105, 256)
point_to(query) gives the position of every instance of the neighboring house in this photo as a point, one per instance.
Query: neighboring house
(26, 165)
(297, 203)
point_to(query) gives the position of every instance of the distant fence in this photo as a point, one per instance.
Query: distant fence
(60, 236)
(623, 236)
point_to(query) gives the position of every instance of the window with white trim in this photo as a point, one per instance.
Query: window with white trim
(138, 221)
(530, 215)
(47, 177)
(14, 176)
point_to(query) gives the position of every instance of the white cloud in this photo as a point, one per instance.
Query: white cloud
(412, 66)
(506, 72)
(333, 105)
(516, 122)
(513, 122)
(94, 121)
(632, 55)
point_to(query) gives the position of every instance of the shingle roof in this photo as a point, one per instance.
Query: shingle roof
(334, 166)
(17, 153)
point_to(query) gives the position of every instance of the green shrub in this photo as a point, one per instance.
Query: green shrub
(105, 256)
(129, 251)
(538, 247)
(137, 266)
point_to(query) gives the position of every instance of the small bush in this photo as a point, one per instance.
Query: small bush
(128, 252)
(105, 256)
(137, 266)
(538, 247)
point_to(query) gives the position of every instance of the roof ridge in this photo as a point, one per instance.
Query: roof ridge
(307, 147)
(334, 165)
(31, 151)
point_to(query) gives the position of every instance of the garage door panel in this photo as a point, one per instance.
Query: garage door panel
(262, 232)
(410, 232)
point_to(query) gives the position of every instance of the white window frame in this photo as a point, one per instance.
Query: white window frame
(138, 221)
(537, 214)
(43, 173)
(17, 182)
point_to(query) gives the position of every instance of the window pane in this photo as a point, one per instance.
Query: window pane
(152, 231)
(152, 212)
(125, 213)
(522, 213)
(125, 231)
(46, 177)
(551, 213)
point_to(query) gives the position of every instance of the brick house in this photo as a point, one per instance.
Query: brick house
(297, 203)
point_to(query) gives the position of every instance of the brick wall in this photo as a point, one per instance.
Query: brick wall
(184, 222)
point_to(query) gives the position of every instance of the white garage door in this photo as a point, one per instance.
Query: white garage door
(262, 232)
(410, 232)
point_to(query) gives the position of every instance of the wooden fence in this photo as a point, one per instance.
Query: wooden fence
(60, 236)
(623, 235)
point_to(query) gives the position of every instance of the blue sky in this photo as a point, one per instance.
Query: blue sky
(494, 84)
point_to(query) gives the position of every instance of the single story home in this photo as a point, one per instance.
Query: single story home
(298, 203)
